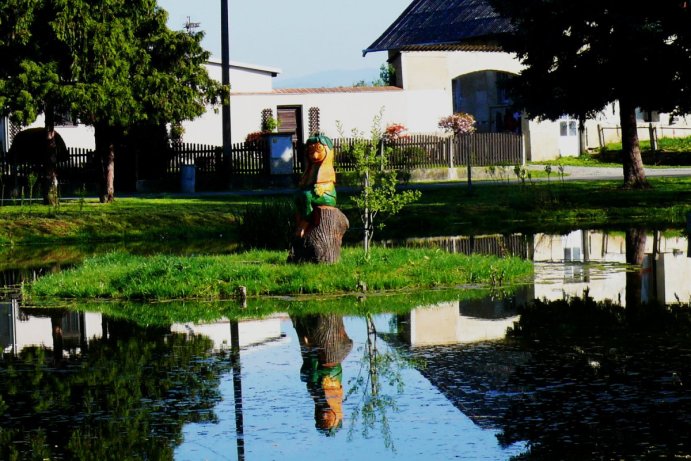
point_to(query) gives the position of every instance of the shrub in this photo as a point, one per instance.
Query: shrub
(269, 225)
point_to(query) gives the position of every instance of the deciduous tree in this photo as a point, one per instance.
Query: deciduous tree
(580, 57)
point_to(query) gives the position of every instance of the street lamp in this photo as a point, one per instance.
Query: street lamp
(225, 80)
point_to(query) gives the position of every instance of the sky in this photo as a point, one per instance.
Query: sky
(302, 38)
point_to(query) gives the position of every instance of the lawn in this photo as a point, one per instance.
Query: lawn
(445, 210)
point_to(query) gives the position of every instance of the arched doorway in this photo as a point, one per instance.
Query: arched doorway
(483, 95)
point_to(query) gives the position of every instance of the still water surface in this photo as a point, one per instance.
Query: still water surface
(602, 378)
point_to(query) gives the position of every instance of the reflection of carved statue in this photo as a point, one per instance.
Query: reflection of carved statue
(324, 344)
(320, 225)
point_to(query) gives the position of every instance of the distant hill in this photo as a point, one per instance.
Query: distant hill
(328, 78)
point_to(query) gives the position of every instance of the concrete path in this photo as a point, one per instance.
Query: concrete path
(598, 173)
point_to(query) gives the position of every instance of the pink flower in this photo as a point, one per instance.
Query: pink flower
(458, 123)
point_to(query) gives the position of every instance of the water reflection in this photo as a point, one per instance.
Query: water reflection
(598, 261)
(324, 344)
(591, 379)
(592, 368)
(127, 392)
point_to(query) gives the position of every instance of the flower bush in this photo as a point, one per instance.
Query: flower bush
(458, 123)
(395, 132)
(255, 136)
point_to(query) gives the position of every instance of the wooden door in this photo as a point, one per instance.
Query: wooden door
(290, 121)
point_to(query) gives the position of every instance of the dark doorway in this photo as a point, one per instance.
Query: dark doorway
(290, 121)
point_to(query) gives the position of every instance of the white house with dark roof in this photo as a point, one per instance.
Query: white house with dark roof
(446, 59)
(451, 46)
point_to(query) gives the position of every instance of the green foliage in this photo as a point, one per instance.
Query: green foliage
(578, 59)
(271, 124)
(585, 56)
(414, 156)
(268, 225)
(378, 196)
(126, 276)
(387, 77)
(111, 64)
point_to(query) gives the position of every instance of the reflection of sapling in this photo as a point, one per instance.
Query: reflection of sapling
(458, 123)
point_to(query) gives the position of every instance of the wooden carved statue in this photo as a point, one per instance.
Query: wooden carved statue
(320, 225)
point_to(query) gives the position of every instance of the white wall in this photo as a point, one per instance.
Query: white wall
(354, 108)
(244, 77)
(73, 135)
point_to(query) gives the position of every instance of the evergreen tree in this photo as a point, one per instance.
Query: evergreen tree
(113, 64)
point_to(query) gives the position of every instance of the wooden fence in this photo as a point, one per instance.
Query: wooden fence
(650, 132)
(79, 167)
(252, 159)
(433, 151)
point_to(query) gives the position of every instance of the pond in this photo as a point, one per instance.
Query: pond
(581, 364)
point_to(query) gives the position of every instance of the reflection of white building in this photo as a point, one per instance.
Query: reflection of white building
(250, 332)
(460, 322)
(564, 266)
(19, 330)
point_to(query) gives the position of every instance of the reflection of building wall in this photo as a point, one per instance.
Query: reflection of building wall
(670, 274)
(249, 331)
(19, 329)
(460, 322)
(674, 277)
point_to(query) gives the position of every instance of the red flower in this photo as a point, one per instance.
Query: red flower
(395, 132)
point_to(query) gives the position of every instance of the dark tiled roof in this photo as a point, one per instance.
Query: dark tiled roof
(435, 23)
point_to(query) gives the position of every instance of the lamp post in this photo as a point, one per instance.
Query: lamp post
(225, 80)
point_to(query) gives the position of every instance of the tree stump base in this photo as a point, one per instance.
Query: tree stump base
(321, 242)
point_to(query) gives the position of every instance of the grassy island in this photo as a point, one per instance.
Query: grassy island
(122, 276)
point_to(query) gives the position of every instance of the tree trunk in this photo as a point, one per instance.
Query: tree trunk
(105, 152)
(321, 242)
(634, 175)
(50, 170)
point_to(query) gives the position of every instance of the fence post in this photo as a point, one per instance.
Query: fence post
(599, 136)
(450, 151)
(653, 141)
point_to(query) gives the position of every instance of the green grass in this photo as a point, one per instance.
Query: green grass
(543, 207)
(127, 219)
(670, 152)
(585, 160)
(491, 208)
(266, 273)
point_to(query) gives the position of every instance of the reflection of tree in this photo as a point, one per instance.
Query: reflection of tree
(635, 254)
(602, 383)
(376, 368)
(324, 344)
(127, 397)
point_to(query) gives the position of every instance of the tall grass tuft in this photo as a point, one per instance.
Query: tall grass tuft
(268, 225)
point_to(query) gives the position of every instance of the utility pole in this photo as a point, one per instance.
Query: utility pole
(225, 80)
